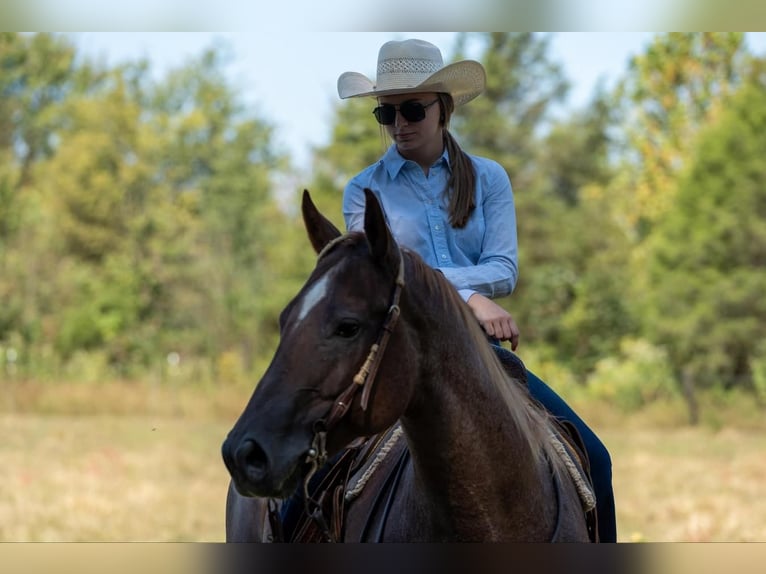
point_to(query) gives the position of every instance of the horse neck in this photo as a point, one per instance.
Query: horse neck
(464, 438)
(458, 413)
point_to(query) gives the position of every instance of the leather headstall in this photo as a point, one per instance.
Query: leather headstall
(364, 380)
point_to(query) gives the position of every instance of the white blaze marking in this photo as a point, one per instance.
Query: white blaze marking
(314, 295)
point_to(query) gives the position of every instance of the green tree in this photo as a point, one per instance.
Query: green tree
(578, 170)
(356, 142)
(37, 74)
(523, 85)
(152, 222)
(575, 151)
(670, 92)
(107, 211)
(216, 152)
(707, 259)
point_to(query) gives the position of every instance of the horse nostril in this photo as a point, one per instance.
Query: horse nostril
(252, 459)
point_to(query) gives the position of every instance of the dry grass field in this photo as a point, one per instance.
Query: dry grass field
(146, 466)
(106, 478)
(689, 485)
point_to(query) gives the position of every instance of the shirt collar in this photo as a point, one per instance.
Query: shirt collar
(393, 161)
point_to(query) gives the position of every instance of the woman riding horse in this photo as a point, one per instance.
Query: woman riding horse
(376, 338)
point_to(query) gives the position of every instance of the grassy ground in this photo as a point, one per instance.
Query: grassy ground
(114, 462)
(689, 485)
(143, 464)
(107, 478)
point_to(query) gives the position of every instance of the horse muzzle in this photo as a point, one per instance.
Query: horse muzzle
(248, 465)
(254, 473)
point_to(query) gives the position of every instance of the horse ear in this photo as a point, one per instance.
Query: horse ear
(381, 242)
(320, 229)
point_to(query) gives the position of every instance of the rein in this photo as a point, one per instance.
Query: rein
(364, 379)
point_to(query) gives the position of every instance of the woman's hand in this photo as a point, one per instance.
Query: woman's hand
(495, 320)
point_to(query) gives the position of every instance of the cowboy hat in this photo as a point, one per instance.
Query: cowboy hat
(411, 66)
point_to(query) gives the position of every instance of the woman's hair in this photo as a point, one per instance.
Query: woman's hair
(461, 186)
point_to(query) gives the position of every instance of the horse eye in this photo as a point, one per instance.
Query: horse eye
(347, 329)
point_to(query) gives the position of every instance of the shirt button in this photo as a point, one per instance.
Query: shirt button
(437, 228)
(444, 256)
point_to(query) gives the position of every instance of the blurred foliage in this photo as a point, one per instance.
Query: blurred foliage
(150, 228)
(138, 218)
(639, 375)
(670, 93)
(707, 259)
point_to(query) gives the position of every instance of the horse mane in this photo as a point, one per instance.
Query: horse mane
(534, 423)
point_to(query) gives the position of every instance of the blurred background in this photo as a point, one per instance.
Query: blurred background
(149, 238)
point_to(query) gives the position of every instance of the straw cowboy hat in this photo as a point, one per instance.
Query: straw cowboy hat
(411, 66)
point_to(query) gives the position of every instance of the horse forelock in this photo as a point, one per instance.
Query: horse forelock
(532, 421)
(353, 237)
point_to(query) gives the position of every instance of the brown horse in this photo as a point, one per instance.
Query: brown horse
(377, 340)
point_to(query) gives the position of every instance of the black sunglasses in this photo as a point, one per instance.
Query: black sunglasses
(411, 110)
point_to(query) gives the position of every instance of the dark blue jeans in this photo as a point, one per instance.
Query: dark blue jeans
(600, 461)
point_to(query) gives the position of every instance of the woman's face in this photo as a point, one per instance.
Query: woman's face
(412, 135)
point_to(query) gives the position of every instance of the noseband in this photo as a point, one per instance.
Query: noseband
(364, 380)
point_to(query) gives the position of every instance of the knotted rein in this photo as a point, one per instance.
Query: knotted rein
(364, 380)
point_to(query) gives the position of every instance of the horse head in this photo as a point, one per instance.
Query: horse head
(322, 387)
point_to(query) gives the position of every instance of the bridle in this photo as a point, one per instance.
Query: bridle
(364, 380)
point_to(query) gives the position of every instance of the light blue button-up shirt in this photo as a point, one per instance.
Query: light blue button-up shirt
(482, 257)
